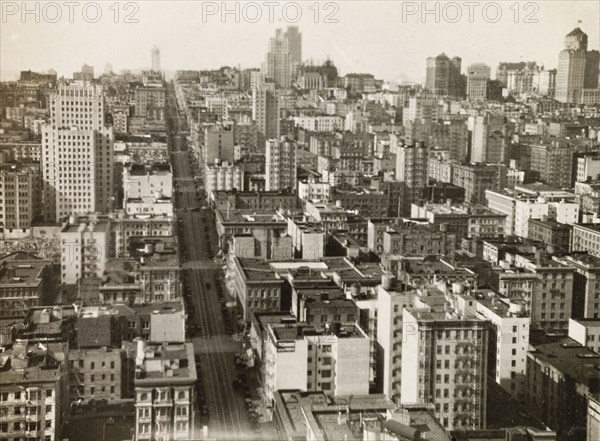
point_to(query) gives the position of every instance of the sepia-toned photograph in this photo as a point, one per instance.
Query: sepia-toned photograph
(310, 220)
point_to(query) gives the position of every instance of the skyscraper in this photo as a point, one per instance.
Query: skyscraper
(592, 70)
(155, 58)
(571, 67)
(294, 38)
(478, 75)
(77, 154)
(265, 111)
(284, 57)
(488, 141)
(443, 75)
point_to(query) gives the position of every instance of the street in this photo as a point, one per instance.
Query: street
(214, 347)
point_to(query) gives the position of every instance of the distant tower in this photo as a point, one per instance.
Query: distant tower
(108, 70)
(155, 59)
(571, 67)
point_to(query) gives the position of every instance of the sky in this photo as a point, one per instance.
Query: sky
(390, 39)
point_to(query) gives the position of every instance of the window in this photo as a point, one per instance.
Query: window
(326, 373)
(326, 386)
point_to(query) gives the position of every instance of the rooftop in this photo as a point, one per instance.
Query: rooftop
(166, 363)
(573, 360)
(249, 216)
(21, 272)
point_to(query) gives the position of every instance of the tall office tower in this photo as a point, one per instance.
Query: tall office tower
(592, 70)
(478, 75)
(278, 62)
(571, 67)
(155, 59)
(443, 75)
(108, 69)
(444, 362)
(86, 73)
(294, 38)
(411, 168)
(280, 164)
(77, 154)
(488, 142)
(265, 111)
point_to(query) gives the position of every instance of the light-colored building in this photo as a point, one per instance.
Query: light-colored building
(489, 139)
(335, 361)
(593, 418)
(571, 67)
(444, 361)
(312, 190)
(509, 337)
(588, 167)
(77, 154)
(586, 332)
(224, 177)
(85, 245)
(391, 302)
(147, 180)
(165, 383)
(33, 394)
(321, 123)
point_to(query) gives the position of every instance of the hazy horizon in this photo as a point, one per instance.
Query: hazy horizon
(381, 37)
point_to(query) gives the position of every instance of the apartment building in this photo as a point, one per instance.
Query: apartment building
(561, 374)
(165, 382)
(85, 245)
(20, 199)
(586, 237)
(335, 360)
(160, 270)
(468, 220)
(544, 285)
(509, 337)
(477, 178)
(150, 102)
(555, 234)
(392, 299)
(280, 164)
(223, 177)
(33, 397)
(24, 282)
(98, 373)
(444, 361)
(124, 227)
(586, 284)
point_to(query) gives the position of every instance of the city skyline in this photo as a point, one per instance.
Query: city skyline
(394, 45)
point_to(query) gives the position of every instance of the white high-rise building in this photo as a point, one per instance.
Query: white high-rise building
(571, 67)
(155, 59)
(77, 154)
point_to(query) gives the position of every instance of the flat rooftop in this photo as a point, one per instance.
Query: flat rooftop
(573, 360)
(167, 363)
(249, 217)
(21, 272)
